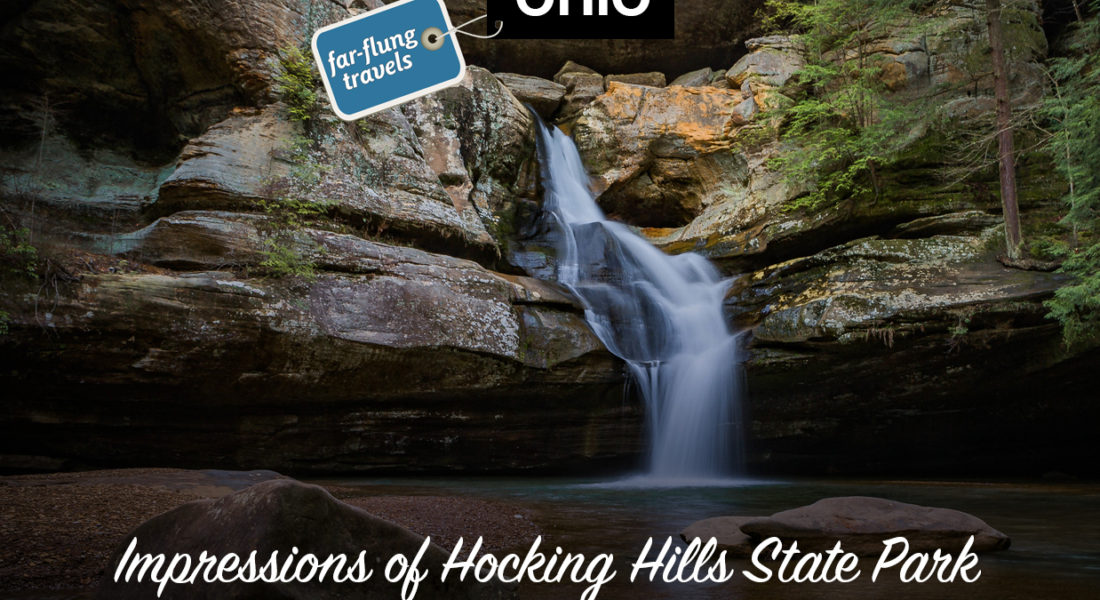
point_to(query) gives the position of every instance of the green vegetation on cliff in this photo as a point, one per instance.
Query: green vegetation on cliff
(18, 256)
(1074, 108)
(295, 203)
(297, 83)
(844, 125)
(892, 89)
(889, 87)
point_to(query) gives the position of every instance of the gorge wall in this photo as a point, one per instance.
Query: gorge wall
(219, 284)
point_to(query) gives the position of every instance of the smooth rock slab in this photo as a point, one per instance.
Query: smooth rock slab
(861, 524)
(652, 79)
(696, 78)
(277, 516)
(543, 95)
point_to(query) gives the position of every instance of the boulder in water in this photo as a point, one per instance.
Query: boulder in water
(278, 516)
(861, 524)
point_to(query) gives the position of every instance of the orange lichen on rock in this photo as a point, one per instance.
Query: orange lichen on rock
(702, 117)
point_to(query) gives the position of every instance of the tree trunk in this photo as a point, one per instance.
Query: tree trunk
(1004, 131)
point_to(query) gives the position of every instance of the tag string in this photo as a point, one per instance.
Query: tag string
(500, 26)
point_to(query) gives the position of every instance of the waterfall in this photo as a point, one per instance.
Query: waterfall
(661, 314)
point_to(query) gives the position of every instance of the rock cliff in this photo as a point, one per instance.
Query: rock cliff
(222, 284)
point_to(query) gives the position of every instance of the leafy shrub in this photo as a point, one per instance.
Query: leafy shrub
(298, 83)
(18, 256)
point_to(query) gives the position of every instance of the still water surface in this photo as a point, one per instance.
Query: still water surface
(1055, 531)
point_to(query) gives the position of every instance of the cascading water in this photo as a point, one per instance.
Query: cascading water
(661, 314)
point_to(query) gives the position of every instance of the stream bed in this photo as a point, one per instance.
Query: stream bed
(1055, 531)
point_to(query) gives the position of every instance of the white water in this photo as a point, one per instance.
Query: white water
(661, 314)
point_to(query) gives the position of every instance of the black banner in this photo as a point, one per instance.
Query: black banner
(584, 19)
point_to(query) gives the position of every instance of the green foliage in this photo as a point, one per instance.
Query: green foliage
(295, 205)
(1077, 306)
(960, 328)
(1047, 248)
(298, 83)
(282, 258)
(1074, 110)
(17, 255)
(842, 123)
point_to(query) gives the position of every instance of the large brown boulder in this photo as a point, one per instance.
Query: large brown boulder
(861, 524)
(277, 516)
(543, 95)
(774, 62)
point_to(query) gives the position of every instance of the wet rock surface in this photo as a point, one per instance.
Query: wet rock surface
(860, 524)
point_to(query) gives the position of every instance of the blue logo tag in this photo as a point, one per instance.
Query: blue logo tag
(387, 56)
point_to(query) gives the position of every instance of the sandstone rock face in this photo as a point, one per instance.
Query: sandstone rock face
(939, 332)
(284, 366)
(479, 142)
(399, 170)
(658, 156)
(543, 95)
(696, 78)
(580, 89)
(277, 516)
(896, 315)
(861, 524)
(213, 361)
(652, 79)
(115, 70)
(871, 281)
(773, 64)
(727, 533)
(171, 185)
